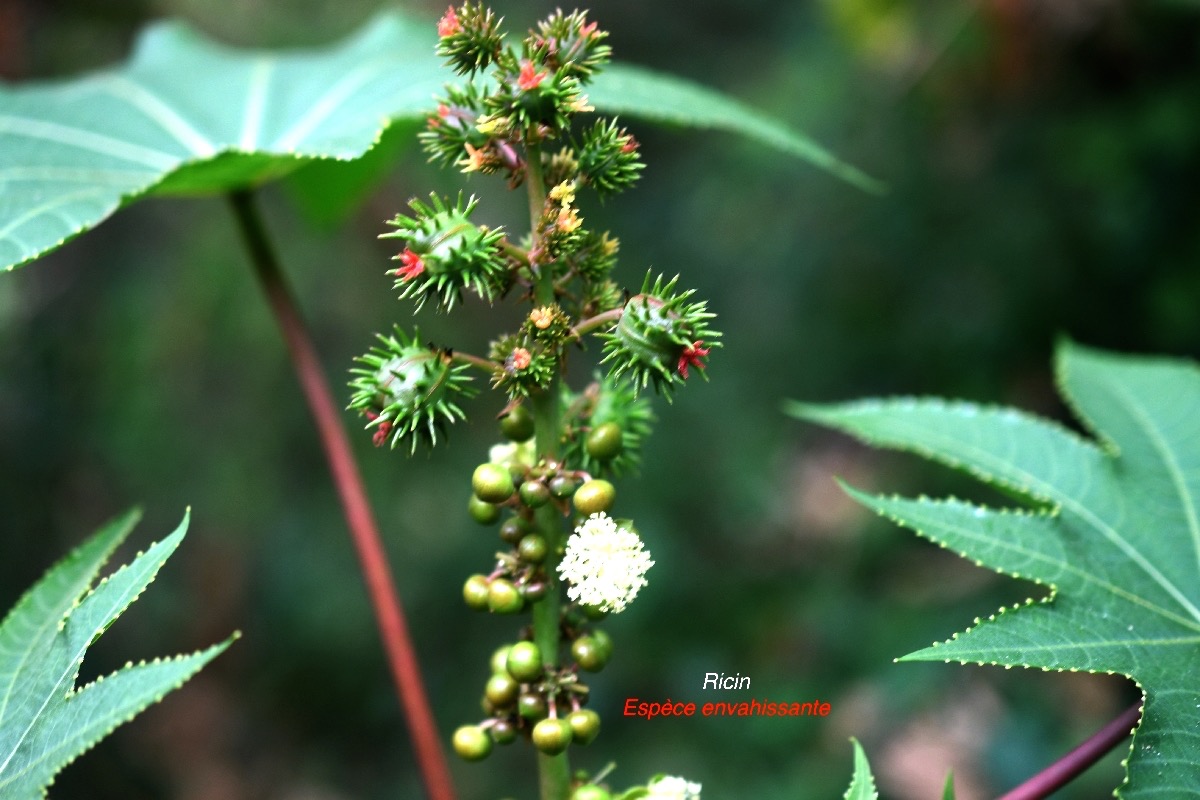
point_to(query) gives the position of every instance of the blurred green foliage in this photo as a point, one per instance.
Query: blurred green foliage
(1041, 158)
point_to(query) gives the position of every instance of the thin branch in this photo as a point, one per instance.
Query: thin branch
(591, 323)
(1067, 768)
(360, 520)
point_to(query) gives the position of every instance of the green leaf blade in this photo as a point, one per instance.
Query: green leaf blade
(862, 784)
(95, 711)
(1118, 546)
(186, 115)
(44, 721)
(644, 93)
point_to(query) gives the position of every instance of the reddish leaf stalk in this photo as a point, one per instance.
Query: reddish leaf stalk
(360, 520)
(1067, 768)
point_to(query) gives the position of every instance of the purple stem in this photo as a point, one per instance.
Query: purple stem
(1063, 771)
(377, 574)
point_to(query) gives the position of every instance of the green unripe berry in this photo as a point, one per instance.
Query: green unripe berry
(492, 483)
(604, 642)
(500, 659)
(552, 736)
(517, 425)
(562, 486)
(585, 725)
(524, 662)
(594, 496)
(588, 654)
(534, 494)
(481, 512)
(531, 705)
(502, 690)
(503, 732)
(594, 613)
(605, 441)
(513, 530)
(504, 597)
(532, 548)
(475, 592)
(472, 743)
(590, 791)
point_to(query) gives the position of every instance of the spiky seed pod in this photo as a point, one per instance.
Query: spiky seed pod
(548, 324)
(531, 95)
(469, 37)
(454, 126)
(408, 391)
(560, 167)
(445, 253)
(600, 296)
(595, 257)
(525, 365)
(570, 43)
(607, 401)
(660, 336)
(608, 158)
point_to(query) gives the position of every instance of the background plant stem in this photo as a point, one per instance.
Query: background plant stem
(1063, 771)
(360, 520)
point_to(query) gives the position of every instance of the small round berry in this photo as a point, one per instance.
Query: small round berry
(524, 662)
(503, 731)
(594, 613)
(531, 705)
(532, 549)
(492, 483)
(500, 659)
(502, 690)
(588, 654)
(517, 425)
(475, 592)
(481, 512)
(504, 597)
(594, 496)
(472, 743)
(534, 494)
(590, 791)
(552, 736)
(585, 725)
(513, 530)
(604, 642)
(562, 486)
(605, 441)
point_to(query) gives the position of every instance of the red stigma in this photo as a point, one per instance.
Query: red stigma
(411, 265)
(449, 25)
(690, 357)
(528, 79)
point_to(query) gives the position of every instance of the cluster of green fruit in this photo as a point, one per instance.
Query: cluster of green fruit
(519, 577)
(525, 696)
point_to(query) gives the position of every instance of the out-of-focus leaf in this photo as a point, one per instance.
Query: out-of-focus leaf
(186, 115)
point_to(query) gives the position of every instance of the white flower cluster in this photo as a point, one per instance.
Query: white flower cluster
(604, 564)
(669, 787)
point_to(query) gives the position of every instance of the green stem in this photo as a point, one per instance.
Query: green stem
(554, 772)
(600, 320)
(389, 614)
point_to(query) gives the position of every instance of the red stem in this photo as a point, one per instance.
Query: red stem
(364, 531)
(1063, 771)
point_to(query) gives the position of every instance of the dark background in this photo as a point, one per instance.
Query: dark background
(1042, 158)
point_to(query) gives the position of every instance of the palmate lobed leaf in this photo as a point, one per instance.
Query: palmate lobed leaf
(1117, 537)
(45, 720)
(186, 115)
